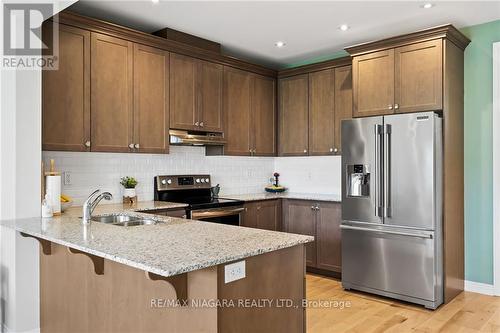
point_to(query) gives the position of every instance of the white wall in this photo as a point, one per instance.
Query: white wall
(314, 174)
(236, 175)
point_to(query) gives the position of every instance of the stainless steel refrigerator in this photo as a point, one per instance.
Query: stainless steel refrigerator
(392, 207)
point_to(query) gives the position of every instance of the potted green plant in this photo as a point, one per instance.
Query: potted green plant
(129, 184)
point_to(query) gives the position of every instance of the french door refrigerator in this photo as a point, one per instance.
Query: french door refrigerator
(391, 207)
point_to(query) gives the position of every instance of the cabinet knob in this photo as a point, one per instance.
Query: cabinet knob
(396, 106)
(335, 150)
(331, 150)
(131, 146)
(137, 146)
(305, 151)
(389, 106)
(201, 124)
(87, 143)
(196, 124)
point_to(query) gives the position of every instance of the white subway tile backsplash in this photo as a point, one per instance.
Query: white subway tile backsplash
(236, 175)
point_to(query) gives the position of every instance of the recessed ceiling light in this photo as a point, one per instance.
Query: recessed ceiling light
(344, 27)
(280, 43)
(155, 1)
(428, 5)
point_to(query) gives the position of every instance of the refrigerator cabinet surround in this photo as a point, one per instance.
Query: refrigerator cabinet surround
(392, 237)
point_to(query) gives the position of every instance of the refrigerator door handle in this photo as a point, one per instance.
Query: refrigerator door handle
(424, 236)
(387, 170)
(378, 168)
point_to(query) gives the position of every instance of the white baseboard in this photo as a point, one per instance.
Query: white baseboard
(481, 288)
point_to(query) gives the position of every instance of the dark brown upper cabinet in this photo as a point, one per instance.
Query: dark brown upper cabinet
(236, 103)
(419, 77)
(195, 94)
(66, 121)
(183, 92)
(402, 79)
(343, 102)
(249, 113)
(210, 96)
(263, 115)
(321, 112)
(312, 107)
(294, 116)
(111, 94)
(373, 83)
(151, 116)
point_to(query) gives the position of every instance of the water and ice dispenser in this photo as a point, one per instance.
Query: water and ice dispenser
(358, 180)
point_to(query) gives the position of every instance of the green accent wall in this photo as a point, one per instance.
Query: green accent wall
(335, 55)
(478, 147)
(479, 151)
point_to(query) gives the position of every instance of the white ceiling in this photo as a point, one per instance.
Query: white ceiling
(249, 29)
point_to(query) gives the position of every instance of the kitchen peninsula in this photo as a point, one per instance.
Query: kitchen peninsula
(173, 274)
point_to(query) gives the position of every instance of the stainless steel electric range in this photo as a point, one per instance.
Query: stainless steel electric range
(195, 190)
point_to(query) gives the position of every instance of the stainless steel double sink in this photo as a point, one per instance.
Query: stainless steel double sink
(124, 220)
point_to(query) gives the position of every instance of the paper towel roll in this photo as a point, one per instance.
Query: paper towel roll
(53, 189)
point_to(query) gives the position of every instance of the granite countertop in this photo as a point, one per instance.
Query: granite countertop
(173, 247)
(285, 195)
(104, 208)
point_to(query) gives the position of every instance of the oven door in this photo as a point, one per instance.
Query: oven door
(223, 215)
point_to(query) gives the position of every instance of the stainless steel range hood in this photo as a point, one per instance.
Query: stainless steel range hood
(186, 138)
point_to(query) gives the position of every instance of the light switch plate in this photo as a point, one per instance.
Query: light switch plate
(233, 272)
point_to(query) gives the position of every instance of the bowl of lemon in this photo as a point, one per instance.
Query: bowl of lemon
(66, 202)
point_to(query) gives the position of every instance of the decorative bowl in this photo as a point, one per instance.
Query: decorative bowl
(274, 189)
(66, 205)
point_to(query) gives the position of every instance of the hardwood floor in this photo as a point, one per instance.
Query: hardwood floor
(468, 312)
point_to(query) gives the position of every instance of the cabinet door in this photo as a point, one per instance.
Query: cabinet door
(343, 101)
(300, 218)
(373, 83)
(151, 99)
(249, 216)
(321, 112)
(236, 111)
(269, 215)
(111, 93)
(66, 121)
(328, 236)
(419, 77)
(293, 116)
(183, 91)
(210, 96)
(264, 116)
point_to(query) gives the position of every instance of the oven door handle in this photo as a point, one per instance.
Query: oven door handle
(216, 213)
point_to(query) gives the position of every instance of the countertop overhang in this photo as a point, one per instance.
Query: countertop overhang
(170, 248)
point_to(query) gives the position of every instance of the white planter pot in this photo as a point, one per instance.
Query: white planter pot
(129, 192)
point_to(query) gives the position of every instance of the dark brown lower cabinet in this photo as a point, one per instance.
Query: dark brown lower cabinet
(300, 218)
(263, 215)
(321, 220)
(328, 246)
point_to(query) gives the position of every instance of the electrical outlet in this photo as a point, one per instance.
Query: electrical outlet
(67, 178)
(233, 272)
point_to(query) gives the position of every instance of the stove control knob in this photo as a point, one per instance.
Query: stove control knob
(202, 180)
(169, 181)
(163, 181)
(207, 180)
(198, 180)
